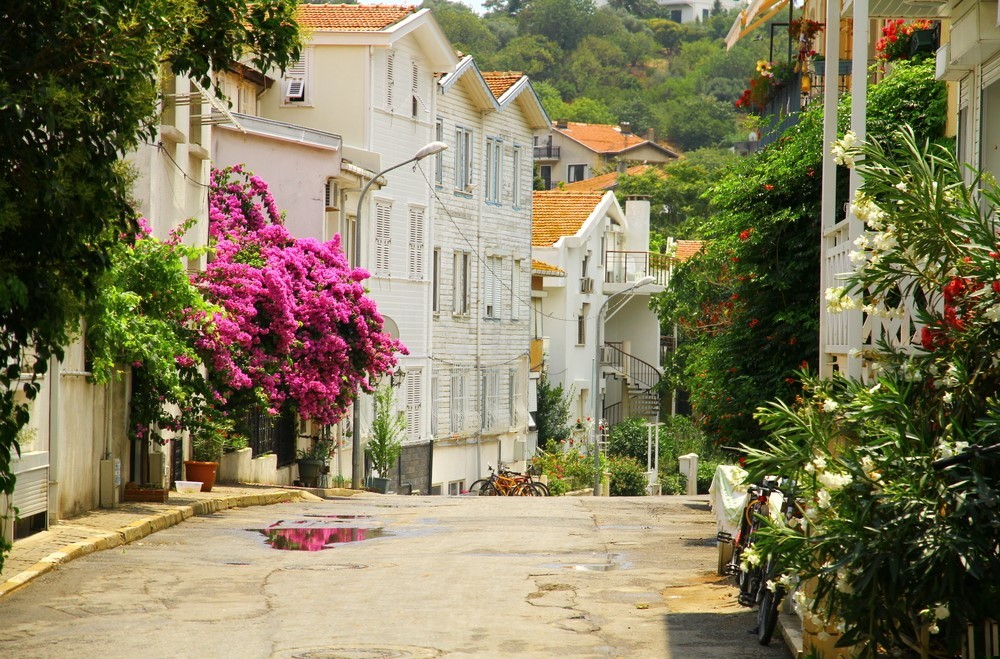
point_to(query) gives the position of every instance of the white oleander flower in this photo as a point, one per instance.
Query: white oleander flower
(830, 405)
(941, 611)
(833, 481)
(823, 499)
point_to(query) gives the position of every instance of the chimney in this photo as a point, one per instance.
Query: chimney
(650, 135)
(637, 216)
(561, 124)
(626, 128)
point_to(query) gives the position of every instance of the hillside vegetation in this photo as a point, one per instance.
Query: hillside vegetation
(625, 62)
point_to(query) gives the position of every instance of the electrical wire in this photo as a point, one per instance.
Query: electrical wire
(187, 177)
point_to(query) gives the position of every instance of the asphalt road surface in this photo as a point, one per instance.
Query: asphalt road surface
(399, 577)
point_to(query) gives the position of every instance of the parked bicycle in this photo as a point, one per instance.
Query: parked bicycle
(504, 482)
(753, 573)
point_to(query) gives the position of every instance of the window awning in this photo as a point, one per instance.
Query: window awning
(757, 13)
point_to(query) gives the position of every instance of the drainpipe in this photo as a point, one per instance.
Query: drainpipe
(55, 437)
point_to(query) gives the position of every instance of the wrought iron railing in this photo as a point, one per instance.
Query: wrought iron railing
(628, 365)
(622, 267)
(268, 434)
(546, 152)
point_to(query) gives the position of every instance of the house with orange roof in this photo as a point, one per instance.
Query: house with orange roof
(481, 269)
(592, 313)
(608, 181)
(573, 151)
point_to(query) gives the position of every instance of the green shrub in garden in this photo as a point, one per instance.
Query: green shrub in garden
(565, 463)
(628, 476)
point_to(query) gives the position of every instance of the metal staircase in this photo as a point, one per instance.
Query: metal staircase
(639, 378)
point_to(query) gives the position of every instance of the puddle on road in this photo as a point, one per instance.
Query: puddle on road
(614, 562)
(340, 517)
(307, 535)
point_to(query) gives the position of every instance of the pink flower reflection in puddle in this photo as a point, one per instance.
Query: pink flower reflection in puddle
(312, 536)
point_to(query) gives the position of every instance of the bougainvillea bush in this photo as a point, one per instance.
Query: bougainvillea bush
(295, 327)
(904, 554)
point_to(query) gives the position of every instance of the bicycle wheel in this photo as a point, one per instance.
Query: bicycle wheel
(477, 487)
(542, 488)
(525, 490)
(767, 610)
(489, 490)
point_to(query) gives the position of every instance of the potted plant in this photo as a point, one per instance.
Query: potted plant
(385, 442)
(312, 460)
(207, 446)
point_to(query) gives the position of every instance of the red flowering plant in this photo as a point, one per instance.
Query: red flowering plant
(295, 327)
(767, 78)
(896, 37)
(804, 31)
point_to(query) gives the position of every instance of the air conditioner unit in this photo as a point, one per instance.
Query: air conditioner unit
(586, 284)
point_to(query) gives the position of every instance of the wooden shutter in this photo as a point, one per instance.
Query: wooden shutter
(413, 385)
(383, 241)
(390, 64)
(416, 246)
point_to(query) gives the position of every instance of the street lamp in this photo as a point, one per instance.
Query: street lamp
(357, 460)
(598, 412)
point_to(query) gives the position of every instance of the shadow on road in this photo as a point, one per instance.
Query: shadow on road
(709, 635)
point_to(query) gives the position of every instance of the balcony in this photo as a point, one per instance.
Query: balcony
(625, 267)
(546, 152)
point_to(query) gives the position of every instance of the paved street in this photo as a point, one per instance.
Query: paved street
(433, 576)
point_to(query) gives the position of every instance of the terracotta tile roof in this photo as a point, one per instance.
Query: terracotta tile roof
(543, 268)
(500, 81)
(557, 213)
(351, 18)
(601, 138)
(605, 181)
(686, 249)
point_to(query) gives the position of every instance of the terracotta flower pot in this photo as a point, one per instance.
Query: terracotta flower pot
(201, 471)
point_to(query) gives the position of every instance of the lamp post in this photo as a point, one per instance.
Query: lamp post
(357, 460)
(648, 279)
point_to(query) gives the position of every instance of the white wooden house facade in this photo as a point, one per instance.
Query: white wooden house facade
(481, 273)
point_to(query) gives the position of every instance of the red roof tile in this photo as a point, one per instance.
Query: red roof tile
(686, 249)
(558, 213)
(605, 181)
(601, 138)
(351, 18)
(500, 81)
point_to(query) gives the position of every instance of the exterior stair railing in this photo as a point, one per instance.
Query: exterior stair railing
(640, 380)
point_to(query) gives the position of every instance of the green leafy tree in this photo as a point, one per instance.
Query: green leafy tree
(532, 54)
(78, 89)
(715, 122)
(565, 22)
(466, 31)
(552, 417)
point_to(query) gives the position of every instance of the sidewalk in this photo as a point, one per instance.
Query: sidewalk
(105, 528)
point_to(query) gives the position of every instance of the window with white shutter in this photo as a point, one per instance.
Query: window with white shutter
(494, 169)
(515, 191)
(460, 284)
(491, 407)
(435, 397)
(415, 253)
(414, 380)
(383, 242)
(390, 65)
(436, 281)
(492, 287)
(294, 81)
(457, 401)
(513, 397)
(515, 290)
(439, 156)
(463, 159)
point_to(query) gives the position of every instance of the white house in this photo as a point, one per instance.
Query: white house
(369, 74)
(481, 269)
(593, 313)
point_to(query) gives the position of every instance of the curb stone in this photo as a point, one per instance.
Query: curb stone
(144, 526)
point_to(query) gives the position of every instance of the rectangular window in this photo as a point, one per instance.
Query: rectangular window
(581, 326)
(415, 254)
(461, 280)
(458, 401)
(439, 157)
(515, 290)
(463, 159)
(492, 287)
(436, 281)
(491, 411)
(575, 173)
(515, 191)
(413, 381)
(415, 100)
(675, 15)
(295, 81)
(455, 488)
(494, 169)
(435, 397)
(383, 240)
